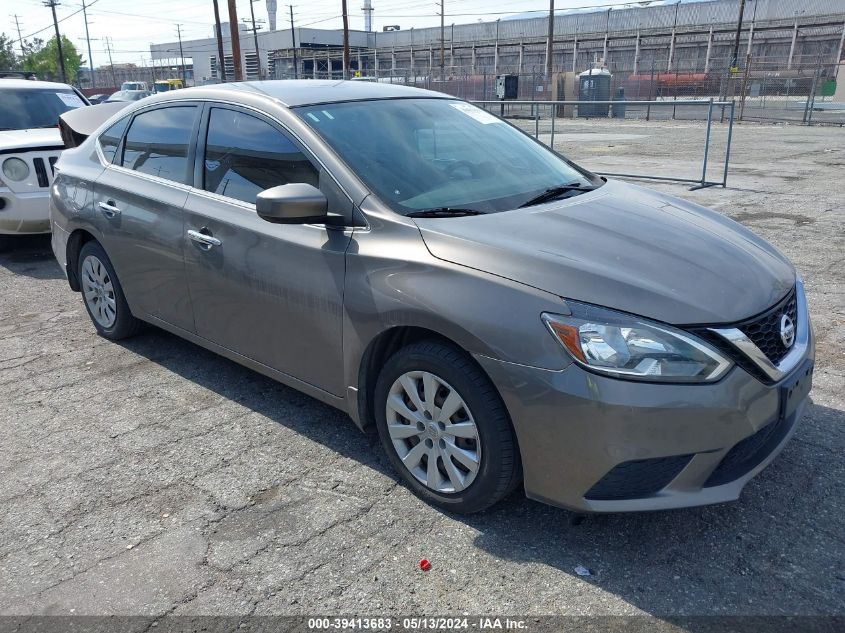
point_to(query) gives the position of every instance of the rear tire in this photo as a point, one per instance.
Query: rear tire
(103, 295)
(445, 428)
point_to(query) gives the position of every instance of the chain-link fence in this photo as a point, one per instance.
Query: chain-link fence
(548, 122)
(766, 89)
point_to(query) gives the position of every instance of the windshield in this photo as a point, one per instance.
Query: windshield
(162, 86)
(25, 109)
(420, 154)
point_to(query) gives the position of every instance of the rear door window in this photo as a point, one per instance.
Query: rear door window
(158, 142)
(245, 155)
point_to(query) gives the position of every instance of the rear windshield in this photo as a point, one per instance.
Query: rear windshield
(24, 109)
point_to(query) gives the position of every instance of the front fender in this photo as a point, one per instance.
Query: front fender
(393, 281)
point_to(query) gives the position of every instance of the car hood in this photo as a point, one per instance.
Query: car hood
(24, 139)
(627, 248)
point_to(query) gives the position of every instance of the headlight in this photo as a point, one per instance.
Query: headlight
(15, 169)
(626, 346)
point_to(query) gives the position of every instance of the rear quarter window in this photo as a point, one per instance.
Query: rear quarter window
(110, 139)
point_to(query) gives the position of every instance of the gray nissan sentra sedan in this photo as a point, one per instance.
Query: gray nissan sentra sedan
(501, 315)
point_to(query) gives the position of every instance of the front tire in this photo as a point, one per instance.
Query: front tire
(102, 294)
(445, 429)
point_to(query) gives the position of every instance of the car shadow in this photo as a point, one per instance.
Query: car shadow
(30, 256)
(778, 548)
(326, 425)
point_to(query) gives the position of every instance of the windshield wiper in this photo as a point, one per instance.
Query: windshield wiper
(443, 212)
(556, 192)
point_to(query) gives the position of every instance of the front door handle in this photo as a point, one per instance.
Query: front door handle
(109, 209)
(204, 239)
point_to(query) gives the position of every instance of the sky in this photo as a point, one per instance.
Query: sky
(132, 26)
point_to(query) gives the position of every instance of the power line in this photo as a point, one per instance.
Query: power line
(67, 17)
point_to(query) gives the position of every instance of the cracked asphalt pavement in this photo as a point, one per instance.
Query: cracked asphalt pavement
(152, 477)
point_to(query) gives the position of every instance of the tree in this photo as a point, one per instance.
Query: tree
(43, 59)
(8, 59)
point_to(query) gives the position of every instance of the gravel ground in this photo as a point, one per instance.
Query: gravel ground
(153, 477)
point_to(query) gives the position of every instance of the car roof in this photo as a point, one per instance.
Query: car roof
(300, 92)
(32, 84)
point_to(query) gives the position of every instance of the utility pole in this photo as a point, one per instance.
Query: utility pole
(221, 60)
(111, 63)
(234, 30)
(88, 41)
(550, 41)
(735, 55)
(345, 40)
(182, 56)
(52, 4)
(442, 41)
(293, 44)
(20, 39)
(255, 37)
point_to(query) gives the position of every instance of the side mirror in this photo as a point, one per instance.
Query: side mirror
(296, 203)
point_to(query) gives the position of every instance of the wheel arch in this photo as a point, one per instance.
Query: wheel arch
(380, 349)
(78, 238)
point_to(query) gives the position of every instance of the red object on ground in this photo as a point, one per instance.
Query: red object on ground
(424, 565)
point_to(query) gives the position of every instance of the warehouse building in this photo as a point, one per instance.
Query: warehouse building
(694, 37)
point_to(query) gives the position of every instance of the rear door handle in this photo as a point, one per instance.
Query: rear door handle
(109, 209)
(202, 238)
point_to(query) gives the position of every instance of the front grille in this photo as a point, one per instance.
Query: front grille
(40, 172)
(750, 452)
(638, 478)
(764, 330)
(52, 160)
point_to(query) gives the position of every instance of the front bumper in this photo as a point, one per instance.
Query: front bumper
(24, 213)
(598, 444)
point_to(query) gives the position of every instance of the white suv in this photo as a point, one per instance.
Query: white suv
(30, 144)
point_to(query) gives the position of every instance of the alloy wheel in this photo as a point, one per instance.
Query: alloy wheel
(98, 290)
(433, 432)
